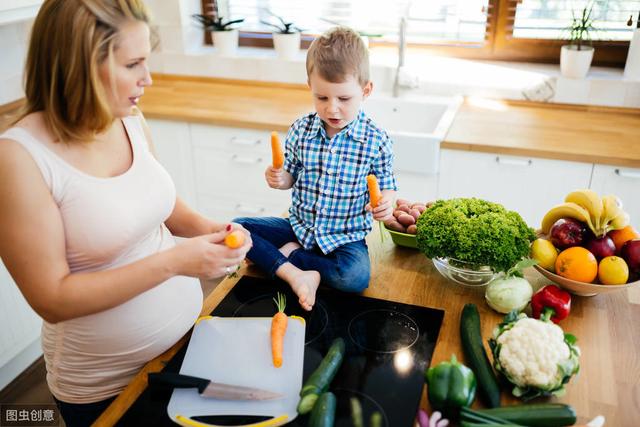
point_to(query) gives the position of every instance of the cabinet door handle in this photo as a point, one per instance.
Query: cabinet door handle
(627, 174)
(250, 210)
(243, 141)
(514, 162)
(246, 160)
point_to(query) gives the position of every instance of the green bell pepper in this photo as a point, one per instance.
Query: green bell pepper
(451, 385)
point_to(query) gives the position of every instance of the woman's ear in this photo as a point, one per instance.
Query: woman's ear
(366, 90)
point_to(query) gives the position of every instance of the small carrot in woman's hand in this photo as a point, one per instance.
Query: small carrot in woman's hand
(374, 190)
(235, 239)
(278, 329)
(276, 151)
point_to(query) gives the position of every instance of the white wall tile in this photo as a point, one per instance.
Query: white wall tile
(607, 92)
(572, 91)
(11, 89)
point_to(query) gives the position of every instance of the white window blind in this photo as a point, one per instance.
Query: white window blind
(549, 19)
(430, 21)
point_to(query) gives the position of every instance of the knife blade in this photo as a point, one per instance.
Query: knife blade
(208, 388)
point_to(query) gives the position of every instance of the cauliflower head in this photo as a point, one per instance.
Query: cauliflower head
(537, 357)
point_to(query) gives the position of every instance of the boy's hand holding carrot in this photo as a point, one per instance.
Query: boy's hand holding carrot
(381, 202)
(275, 175)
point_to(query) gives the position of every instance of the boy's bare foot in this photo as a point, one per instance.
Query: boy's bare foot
(287, 248)
(303, 283)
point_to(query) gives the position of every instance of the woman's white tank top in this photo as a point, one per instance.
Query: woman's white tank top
(108, 223)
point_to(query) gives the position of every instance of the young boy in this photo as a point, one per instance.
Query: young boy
(328, 155)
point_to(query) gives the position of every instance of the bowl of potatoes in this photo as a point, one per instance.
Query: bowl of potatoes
(402, 226)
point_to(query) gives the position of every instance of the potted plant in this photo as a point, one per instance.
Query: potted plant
(225, 38)
(286, 37)
(576, 57)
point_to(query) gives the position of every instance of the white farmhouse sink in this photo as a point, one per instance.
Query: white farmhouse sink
(416, 126)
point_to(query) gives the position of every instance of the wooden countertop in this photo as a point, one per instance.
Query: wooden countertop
(589, 134)
(556, 131)
(606, 326)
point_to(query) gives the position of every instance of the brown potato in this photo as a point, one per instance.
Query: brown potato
(406, 219)
(404, 208)
(412, 229)
(419, 207)
(415, 213)
(395, 226)
(398, 212)
(402, 202)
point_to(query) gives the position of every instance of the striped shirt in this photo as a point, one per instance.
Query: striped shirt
(330, 186)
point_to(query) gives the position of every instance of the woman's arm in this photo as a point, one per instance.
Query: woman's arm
(32, 246)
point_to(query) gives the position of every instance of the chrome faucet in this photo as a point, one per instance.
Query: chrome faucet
(402, 47)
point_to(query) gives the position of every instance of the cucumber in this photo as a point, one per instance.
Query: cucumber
(324, 412)
(318, 382)
(476, 356)
(535, 415)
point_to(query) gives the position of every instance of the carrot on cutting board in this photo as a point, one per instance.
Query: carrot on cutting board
(276, 151)
(374, 190)
(235, 239)
(278, 329)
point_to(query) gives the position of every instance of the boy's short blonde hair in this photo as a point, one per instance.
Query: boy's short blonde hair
(69, 41)
(338, 53)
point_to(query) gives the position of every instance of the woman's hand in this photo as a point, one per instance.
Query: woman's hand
(207, 256)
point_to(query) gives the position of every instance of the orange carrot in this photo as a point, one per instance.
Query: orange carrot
(374, 190)
(276, 151)
(235, 239)
(278, 329)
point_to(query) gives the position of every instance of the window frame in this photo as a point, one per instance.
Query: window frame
(499, 43)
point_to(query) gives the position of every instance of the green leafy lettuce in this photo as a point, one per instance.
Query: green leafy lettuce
(475, 231)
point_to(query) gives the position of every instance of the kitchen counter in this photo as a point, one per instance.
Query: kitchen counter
(589, 134)
(609, 379)
(606, 135)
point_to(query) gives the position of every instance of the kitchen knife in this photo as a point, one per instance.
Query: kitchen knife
(208, 388)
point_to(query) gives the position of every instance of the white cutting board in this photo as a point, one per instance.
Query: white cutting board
(238, 351)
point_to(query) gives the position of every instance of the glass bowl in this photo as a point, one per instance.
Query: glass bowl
(582, 288)
(464, 273)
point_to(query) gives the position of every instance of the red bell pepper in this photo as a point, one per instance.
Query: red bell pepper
(551, 302)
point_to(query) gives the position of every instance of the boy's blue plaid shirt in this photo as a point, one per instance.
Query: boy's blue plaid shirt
(330, 179)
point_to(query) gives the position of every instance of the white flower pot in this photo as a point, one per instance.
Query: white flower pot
(287, 45)
(225, 42)
(575, 63)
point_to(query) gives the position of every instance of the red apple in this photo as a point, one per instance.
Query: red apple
(567, 232)
(601, 247)
(630, 252)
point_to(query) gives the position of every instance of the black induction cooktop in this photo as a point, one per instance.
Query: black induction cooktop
(388, 347)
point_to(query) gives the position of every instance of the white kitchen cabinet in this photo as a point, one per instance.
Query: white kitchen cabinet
(18, 10)
(19, 330)
(229, 165)
(172, 143)
(624, 183)
(416, 187)
(527, 185)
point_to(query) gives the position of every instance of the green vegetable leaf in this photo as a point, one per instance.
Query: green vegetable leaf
(570, 339)
(474, 231)
(517, 270)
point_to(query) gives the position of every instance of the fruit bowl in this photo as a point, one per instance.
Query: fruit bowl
(582, 288)
(464, 273)
(403, 239)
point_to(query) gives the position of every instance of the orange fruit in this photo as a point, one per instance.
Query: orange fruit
(577, 263)
(613, 270)
(622, 236)
(235, 239)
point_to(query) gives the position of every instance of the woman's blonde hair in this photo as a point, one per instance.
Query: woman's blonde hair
(69, 40)
(338, 53)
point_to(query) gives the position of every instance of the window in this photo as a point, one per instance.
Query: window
(518, 30)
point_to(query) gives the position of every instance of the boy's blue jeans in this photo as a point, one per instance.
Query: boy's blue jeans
(347, 268)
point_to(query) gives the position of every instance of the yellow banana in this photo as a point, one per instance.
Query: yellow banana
(591, 201)
(565, 210)
(620, 221)
(612, 208)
